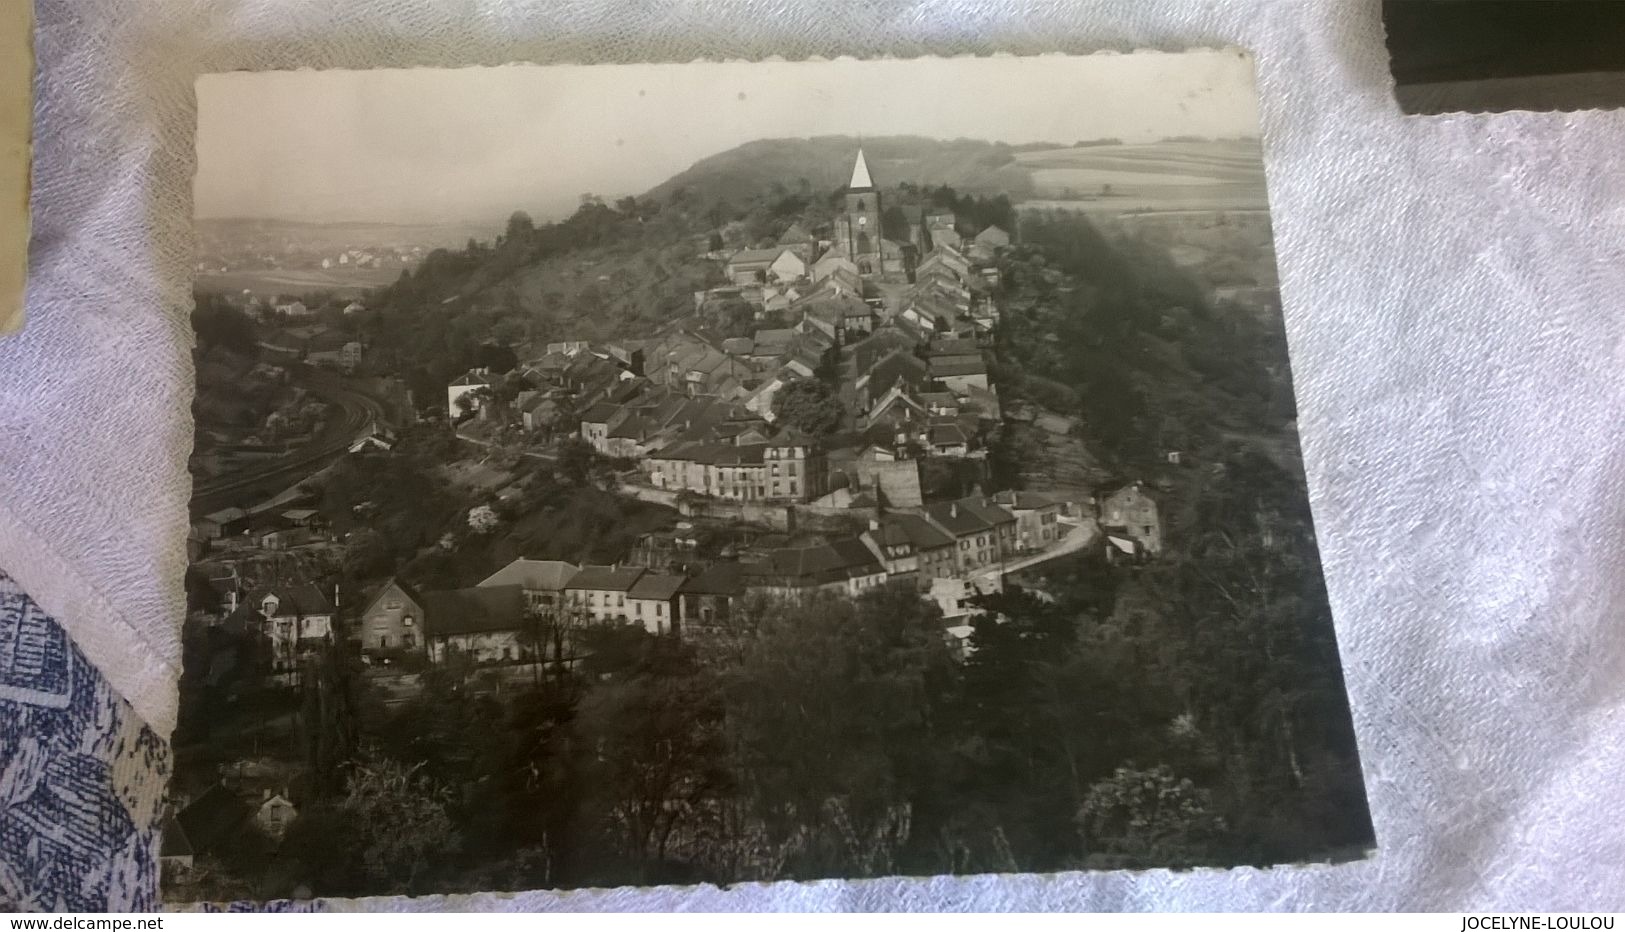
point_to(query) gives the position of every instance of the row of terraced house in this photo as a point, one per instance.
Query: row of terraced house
(947, 552)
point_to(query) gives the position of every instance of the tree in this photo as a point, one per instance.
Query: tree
(367, 555)
(656, 731)
(496, 358)
(578, 462)
(397, 821)
(714, 242)
(830, 717)
(810, 406)
(1147, 818)
(219, 325)
(520, 228)
(483, 520)
(469, 400)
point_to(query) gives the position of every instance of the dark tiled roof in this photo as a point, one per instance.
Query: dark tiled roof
(914, 530)
(753, 256)
(606, 578)
(600, 413)
(400, 584)
(990, 510)
(897, 364)
(474, 611)
(717, 579)
(855, 558)
(633, 428)
(1026, 500)
(716, 454)
(655, 586)
(957, 519)
(540, 575)
(958, 365)
(303, 599)
(212, 819)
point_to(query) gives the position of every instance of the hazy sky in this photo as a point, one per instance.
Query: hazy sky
(478, 143)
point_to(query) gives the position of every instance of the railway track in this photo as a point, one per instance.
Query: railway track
(359, 414)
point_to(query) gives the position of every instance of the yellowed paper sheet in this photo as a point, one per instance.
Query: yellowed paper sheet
(16, 107)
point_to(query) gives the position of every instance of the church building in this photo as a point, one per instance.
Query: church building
(858, 230)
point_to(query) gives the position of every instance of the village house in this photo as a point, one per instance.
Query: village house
(911, 547)
(796, 239)
(844, 567)
(789, 467)
(471, 381)
(898, 369)
(208, 825)
(946, 259)
(984, 532)
(598, 593)
(993, 237)
(227, 522)
(788, 266)
(392, 621)
(956, 597)
(960, 373)
(274, 816)
(654, 603)
(542, 411)
(940, 231)
(946, 439)
(710, 596)
(1131, 512)
(297, 618)
(752, 266)
(595, 423)
(1038, 517)
(830, 263)
(378, 440)
(542, 581)
(485, 624)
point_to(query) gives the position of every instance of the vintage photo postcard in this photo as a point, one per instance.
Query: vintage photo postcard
(722, 472)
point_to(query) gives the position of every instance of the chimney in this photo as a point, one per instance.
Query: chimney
(874, 525)
(953, 509)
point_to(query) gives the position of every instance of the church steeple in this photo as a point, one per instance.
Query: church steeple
(860, 175)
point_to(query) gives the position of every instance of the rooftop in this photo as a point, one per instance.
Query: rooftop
(605, 578)
(474, 611)
(535, 575)
(655, 586)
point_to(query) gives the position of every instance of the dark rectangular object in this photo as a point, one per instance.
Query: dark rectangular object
(1493, 55)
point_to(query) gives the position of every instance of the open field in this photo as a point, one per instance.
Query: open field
(344, 283)
(1172, 176)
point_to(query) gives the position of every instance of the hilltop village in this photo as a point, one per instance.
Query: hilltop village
(819, 425)
(867, 364)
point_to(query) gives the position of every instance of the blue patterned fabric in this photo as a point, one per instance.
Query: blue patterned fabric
(81, 778)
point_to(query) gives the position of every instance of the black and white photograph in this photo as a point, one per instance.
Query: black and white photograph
(728, 472)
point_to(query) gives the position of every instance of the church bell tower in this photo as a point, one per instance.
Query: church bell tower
(860, 228)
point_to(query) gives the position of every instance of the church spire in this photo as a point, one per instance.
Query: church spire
(860, 175)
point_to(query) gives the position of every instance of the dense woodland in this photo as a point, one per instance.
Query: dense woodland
(1188, 711)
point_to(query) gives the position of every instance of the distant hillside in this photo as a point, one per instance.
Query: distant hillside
(235, 232)
(824, 163)
(1102, 175)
